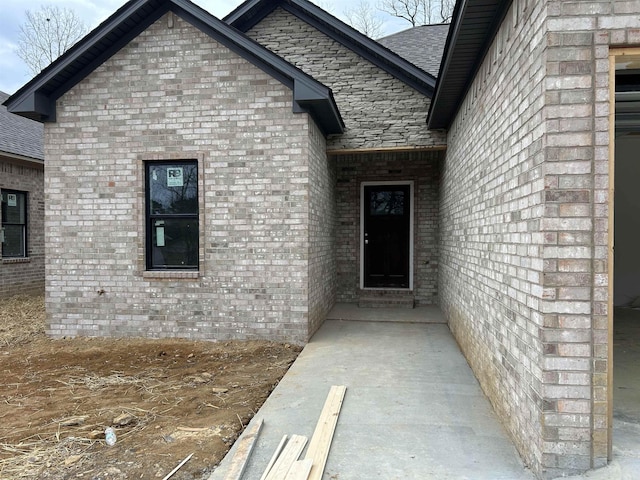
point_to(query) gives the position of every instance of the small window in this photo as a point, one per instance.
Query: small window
(387, 202)
(14, 224)
(172, 230)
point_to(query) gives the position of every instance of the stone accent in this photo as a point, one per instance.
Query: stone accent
(423, 169)
(174, 92)
(524, 226)
(25, 275)
(378, 109)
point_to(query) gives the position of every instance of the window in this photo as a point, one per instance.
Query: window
(172, 215)
(14, 224)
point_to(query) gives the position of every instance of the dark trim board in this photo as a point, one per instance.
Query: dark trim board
(37, 99)
(474, 25)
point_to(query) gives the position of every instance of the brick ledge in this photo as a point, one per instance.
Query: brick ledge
(171, 275)
(17, 260)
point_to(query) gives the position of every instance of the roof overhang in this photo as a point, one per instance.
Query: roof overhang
(251, 12)
(473, 27)
(21, 159)
(37, 99)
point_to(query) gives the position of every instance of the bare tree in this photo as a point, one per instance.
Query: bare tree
(326, 5)
(446, 10)
(364, 18)
(46, 34)
(419, 12)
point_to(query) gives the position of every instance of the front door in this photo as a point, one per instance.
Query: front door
(386, 236)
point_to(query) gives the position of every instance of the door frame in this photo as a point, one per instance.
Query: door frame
(410, 183)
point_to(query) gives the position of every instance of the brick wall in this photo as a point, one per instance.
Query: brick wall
(25, 275)
(524, 214)
(423, 169)
(322, 230)
(579, 37)
(378, 109)
(491, 210)
(176, 93)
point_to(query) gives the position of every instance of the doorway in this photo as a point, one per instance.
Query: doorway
(386, 235)
(624, 253)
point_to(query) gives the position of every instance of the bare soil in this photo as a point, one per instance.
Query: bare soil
(165, 399)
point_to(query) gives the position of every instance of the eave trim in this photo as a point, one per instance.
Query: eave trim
(449, 94)
(38, 97)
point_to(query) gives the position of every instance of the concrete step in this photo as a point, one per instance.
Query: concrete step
(386, 299)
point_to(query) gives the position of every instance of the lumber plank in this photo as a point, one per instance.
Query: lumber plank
(320, 443)
(356, 151)
(610, 241)
(300, 470)
(274, 457)
(289, 455)
(243, 451)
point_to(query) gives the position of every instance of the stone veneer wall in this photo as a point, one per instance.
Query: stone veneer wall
(378, 109)
(420, 167)
(524, 213)
(25, 275)
(176, 93)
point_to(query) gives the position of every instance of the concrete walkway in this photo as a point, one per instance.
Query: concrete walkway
(413, 409)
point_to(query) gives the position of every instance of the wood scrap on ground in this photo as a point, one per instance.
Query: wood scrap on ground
(318, 450)
(170, 474)
(287, 458)
(284, 464)
(74, 421)
(300, 470)
(241, 456)
(274, 457)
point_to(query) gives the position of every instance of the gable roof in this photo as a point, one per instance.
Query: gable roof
(422, 45)
(37, 98)
(474, 25)
(20, 136)
(251, 12)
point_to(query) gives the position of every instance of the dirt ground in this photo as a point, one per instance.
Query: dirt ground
(165, 398)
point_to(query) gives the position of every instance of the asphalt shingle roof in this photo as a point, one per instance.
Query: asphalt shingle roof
(422, 46)
(19, 135)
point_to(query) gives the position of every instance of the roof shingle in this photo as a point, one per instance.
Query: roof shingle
(19, 135)
(422, 46)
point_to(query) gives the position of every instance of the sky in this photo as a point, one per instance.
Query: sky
(14, 73)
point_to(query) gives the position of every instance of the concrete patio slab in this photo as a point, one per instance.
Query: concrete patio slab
(413, 409)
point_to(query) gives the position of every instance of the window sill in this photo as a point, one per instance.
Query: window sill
(175, 274)
(16, 260)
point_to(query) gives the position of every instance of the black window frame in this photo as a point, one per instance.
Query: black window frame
(151, 217)
(4, 222)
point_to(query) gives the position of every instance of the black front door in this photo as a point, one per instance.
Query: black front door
(387, 226)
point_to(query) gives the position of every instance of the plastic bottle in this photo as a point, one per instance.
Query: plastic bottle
(110, 436)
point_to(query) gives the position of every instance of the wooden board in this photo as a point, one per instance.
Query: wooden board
(610, 263)
(366, 151)
(320, 442)
(274, 457)
(243, 451)
(287, 458)
(300, 470)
